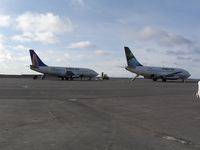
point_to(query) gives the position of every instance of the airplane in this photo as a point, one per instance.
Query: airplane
(154, 73)
(65, 73)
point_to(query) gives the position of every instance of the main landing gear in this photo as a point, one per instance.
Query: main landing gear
(35, 77)
(134, 78)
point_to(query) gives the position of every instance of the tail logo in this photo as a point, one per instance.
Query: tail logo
(35, 60)
(130, 56)
(131, 60)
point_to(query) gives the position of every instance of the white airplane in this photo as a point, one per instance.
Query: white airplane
(154, 73)
(62, 72)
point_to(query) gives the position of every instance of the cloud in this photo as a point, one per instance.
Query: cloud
(44, 37)
(76, 3)
(195, 49)
(35, 22)
(67, 56)
(2, 38)
(20, 47)
(25, 37)
(176, 52)
(79, 2)
(41, 27)
(192, 50)
(82, 44)
(5, 20)
(4, 54)
(151, 50)
(164, 38)
(196, 60)
(102, 53)
(184, 58)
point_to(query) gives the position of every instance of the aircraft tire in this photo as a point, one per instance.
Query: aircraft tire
(154, 79)
(163, 79)
(35, 77)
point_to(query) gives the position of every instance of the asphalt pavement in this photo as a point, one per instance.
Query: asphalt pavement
(98, 115)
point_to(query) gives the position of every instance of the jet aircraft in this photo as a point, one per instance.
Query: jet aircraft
(62, 72)
(154, 73)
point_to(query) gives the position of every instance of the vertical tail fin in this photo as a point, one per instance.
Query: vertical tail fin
(131, 60)
(36, 61)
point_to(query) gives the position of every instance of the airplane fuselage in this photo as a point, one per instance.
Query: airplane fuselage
(159, 72)
(65, 72)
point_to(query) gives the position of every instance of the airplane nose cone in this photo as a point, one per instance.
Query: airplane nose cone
(188, 74)
(96, 74)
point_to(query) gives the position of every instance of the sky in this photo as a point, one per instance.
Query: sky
(93, 33)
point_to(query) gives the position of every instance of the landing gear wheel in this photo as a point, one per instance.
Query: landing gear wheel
(43, 77)
(35, 77)
(154, 79)
(164, 80)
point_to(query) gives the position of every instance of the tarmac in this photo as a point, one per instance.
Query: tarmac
(98, 115)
